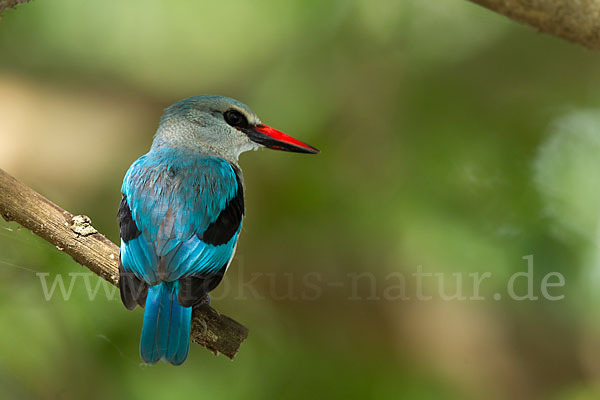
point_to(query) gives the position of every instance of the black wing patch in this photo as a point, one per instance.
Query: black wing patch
(192, 289)
(229, 220)
(133, 290)
(129, 229)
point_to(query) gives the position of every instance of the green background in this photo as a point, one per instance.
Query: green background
(453, 140)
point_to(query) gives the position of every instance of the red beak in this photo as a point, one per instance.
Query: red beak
(274, 139)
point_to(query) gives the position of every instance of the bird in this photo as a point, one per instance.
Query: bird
(181, 212)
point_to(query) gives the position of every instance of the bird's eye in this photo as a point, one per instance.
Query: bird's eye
(235, 118)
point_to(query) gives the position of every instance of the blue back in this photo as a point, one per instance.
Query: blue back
(174, 196)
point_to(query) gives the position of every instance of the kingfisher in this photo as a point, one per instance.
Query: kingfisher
(181, 214)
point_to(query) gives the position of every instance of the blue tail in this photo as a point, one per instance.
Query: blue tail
(166, 330)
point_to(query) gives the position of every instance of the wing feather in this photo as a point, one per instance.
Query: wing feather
(174, 199)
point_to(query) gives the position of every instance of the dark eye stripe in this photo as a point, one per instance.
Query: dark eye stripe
(235, 119)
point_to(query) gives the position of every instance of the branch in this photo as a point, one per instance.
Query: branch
(77, 237)
(575, 20)
(4, 4)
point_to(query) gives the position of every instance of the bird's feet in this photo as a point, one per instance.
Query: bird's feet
(205, 300)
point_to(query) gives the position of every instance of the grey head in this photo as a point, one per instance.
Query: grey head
(220, 126)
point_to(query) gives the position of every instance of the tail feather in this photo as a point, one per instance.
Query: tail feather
(166, 329)
(179, 356)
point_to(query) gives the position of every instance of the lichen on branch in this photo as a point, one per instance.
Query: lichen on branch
(75, 235)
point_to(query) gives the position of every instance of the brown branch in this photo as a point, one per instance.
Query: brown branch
(575, 20)
(77, 237)
(4, 4)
